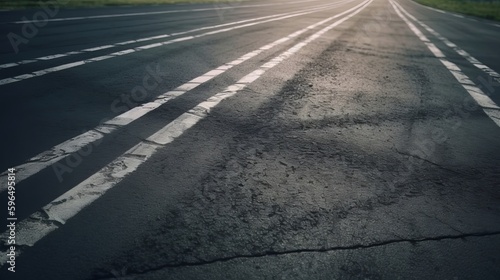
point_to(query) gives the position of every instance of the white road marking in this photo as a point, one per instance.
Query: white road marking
(49, 57)
(475, 92)
(59, 211)
(153, 13)
(453, 14)
(97, 48)
(429, 8)
(155, 45)
(8, 65)
(495, 75)
(434, 50)
(63, 150)
(439, 11)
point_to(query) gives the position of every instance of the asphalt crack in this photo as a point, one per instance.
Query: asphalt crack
(428, 161)
(442, 222)
(413, 241)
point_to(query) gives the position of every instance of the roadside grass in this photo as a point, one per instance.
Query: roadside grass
(23, 4)
(484, 9)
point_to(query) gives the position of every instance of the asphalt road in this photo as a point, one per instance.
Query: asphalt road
(344, 139)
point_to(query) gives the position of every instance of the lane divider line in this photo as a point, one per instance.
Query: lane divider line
(119, 44)
(495, 75)
(65, 149)
(453, 14)
(487, 105)
(146, 47)
(153, 13)
(63, 208)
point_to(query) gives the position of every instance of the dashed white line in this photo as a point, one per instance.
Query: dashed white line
(61, 151)
(453, 14)
(488, 105)
(59, 211)
(162, 36)
(155, 45)
(153, 13)
(436, 10)
(495, 75)
(98, 48)
(8, 65)
(437, 52)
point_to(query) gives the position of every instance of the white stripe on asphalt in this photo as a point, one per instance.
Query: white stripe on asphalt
(153, 13)
(49, 57)
(145, 47)
(495, 75)
(63, 150)
(453, 14)
(488, 106)
(59, 211)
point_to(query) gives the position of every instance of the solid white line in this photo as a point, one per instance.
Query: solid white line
(439, 11)
(495, 75)
(152, 13)
(59, 211)
(155, 45)
(63, 150)
(453, 14)
(428, 7)
(476, 93)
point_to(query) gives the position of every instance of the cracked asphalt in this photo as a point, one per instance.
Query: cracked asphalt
(361, 157)
(323, 180)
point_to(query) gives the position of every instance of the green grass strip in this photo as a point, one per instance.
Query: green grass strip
(483, 9)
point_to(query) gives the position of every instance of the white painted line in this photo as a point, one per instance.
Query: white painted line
(48, 57)
(7, 81)
(97, 48)
(8, 65)
(151, 13)
(428, 7)
(475, 92)
(44, 58)
(453, 14)
(145, 47)
(63, 150)
(434, 50)
(495, 75)
(47, 158)
(439, 11)
(66, 206)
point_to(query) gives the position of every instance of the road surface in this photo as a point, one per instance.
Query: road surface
(308, 139)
